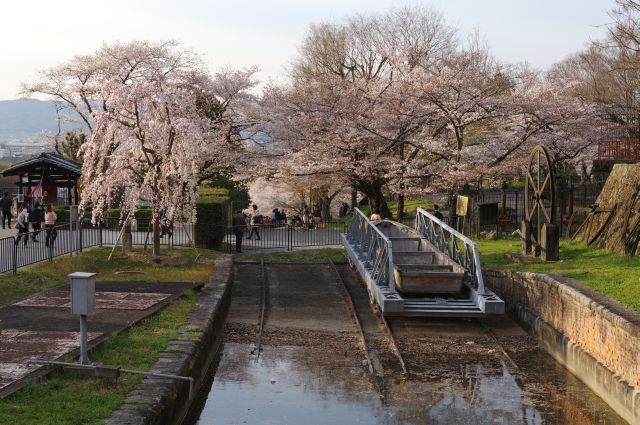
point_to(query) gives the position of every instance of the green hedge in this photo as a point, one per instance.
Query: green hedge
(212, 220)
(143, 215)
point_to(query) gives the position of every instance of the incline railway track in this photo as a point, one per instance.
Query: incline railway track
(374, 365)
(264, 306)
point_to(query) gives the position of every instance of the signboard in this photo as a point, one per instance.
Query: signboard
(462, 205)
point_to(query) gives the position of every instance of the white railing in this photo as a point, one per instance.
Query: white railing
(375, 249)
(457, 246)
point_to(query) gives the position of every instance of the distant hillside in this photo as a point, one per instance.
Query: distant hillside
(24, 118)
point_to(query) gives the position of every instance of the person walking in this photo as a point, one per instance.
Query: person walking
(35, 219)
(437, 213)
(5, 205)
(23, 225)
(255, 218)
(50, 218)
(239, 223)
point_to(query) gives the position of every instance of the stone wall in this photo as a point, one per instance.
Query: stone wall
(164, 401)
(597, 339)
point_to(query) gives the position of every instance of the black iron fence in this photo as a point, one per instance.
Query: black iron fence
(286, 236)
(46, 244)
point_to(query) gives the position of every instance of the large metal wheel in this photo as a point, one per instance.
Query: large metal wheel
(539, 192)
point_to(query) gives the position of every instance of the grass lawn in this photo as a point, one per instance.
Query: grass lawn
(612, 274)
(303, 256)
(69, 397)
(410, 206)
(175, 265)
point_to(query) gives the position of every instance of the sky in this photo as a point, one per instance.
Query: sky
(37, 34)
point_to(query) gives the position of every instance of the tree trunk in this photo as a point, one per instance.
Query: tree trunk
(354, 198)
(372, 189)
(156, 238)
(400, 213)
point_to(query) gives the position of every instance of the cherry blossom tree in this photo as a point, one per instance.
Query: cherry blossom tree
(405, 119)
(154, 144)
(77, 83)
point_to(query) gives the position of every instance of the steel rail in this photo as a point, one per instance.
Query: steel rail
(264, 283)
(356, 320)
(394, 343)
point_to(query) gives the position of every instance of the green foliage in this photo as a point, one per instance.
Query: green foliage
(612, 274)
(212, 220)
(238, 193)
(143, 215)
(70, 146)
(62, 212)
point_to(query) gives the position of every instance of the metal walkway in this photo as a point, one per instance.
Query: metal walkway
(372, 254)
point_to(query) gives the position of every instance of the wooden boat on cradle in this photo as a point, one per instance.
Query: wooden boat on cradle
(418, 266)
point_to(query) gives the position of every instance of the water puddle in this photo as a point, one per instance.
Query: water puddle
(295, 385)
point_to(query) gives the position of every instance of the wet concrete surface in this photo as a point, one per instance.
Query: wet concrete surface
(312, 368)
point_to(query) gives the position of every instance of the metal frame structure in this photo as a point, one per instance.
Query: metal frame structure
(371, 252)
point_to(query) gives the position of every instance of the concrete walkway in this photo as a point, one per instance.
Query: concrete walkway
(41, 327)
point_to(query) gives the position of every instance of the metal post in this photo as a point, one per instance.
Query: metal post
(289, 243)
(392, 279)
(72, 239)
(84, 358)
(15, 256)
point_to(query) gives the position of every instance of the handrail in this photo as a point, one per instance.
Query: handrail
(375, 228)
(376, 249)
(441, 235)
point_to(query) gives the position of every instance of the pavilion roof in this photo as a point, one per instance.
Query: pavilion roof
(48, 159)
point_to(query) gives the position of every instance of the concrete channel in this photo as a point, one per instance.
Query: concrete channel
(313, 362)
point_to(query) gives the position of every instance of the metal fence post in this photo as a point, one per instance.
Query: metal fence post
(80, 235)
(15, 256)
(289, 243)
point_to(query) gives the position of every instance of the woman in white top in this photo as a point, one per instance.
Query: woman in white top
(50, 218)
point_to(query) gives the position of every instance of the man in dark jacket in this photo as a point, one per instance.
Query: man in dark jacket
(35, 219)
(5, 206)
(239, 223)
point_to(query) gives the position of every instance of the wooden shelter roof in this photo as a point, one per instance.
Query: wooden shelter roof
(46, 161)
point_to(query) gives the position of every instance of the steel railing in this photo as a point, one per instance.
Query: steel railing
(457, 246)
(375, 248)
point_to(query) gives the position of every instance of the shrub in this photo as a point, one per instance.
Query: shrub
(212, 214)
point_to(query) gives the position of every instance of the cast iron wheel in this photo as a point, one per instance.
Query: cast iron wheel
(539, 192)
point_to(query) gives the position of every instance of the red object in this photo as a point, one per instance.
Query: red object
(619, 149)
